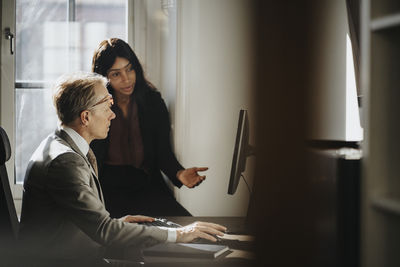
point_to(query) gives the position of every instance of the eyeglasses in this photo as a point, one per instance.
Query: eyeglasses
(103, 100)
(115, 75)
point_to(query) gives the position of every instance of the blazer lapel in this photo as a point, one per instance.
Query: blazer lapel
(63, 135)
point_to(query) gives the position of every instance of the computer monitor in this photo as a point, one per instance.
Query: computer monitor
(242, 150)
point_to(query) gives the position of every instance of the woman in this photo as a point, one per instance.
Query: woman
(138, 145)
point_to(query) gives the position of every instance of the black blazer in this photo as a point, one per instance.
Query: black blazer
(155, 128)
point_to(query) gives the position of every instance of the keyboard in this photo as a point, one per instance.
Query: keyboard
(161, 222)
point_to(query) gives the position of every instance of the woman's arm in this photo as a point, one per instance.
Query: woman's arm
(165, 156)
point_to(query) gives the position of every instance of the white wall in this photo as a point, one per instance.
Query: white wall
(198, 54)
(154, 43)
(334, 94)
(214, 83)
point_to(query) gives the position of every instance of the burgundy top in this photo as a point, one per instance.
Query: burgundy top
(126, 145)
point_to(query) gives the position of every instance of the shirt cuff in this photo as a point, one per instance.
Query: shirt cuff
(171, 234)
(171, 238)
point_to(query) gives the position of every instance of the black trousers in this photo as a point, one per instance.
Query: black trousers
(130, 191)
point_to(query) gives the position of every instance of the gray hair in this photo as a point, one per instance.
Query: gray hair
(74, 93)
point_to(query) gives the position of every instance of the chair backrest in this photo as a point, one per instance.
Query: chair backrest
(8, 216)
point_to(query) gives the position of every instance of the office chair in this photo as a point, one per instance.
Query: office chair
(8, 216)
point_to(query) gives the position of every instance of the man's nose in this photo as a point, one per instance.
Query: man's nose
(112, 115)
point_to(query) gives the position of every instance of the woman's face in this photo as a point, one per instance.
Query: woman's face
(122, 77)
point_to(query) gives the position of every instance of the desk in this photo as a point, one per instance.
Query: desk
(239, 242)
(240, 245)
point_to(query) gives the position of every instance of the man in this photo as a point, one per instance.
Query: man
(63, 214)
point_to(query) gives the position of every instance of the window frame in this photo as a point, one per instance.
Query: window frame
(7, 92)
(9, 83)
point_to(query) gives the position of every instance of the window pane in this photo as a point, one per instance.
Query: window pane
(52, 41)
(31, 36)
(35, 119)
(99, 20)
(48, 45)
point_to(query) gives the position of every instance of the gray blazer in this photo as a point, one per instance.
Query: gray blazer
(63, 214)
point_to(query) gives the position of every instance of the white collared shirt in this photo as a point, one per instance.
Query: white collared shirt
(83, 146)
(79, 141)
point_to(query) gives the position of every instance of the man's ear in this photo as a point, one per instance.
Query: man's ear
(85, 117)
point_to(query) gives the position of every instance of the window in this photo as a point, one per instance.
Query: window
(54, 37)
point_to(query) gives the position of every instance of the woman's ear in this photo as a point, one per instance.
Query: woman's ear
(85, 117)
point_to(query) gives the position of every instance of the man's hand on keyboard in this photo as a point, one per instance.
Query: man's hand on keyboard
(136, 218)
(195, 230)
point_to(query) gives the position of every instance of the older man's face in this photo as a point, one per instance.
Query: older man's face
(100, 114)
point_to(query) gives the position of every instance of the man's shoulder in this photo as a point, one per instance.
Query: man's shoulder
(53, 154)
(51, 148)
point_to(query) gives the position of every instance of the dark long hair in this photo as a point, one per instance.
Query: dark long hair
(104, 57)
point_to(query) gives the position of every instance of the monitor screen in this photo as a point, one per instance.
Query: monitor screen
(241, 151)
